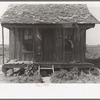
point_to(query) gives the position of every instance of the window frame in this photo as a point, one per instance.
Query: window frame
(30, 31)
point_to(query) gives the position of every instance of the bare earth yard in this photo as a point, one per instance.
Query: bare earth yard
(2, 77)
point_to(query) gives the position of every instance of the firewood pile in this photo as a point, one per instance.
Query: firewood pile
(27, 71)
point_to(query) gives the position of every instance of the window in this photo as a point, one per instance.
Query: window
(68, 40)
(27, 40)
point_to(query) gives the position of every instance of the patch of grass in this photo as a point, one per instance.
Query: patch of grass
(36, 78)
(88, 78)
(6, 53)
(93, 54)
(92, 51)
(73, 76)
(64, 75)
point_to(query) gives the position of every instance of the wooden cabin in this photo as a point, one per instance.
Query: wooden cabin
(48, 32)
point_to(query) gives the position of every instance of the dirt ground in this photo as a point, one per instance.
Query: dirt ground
(5, 79)
(2, 77)
(20, 79)
(82, 79)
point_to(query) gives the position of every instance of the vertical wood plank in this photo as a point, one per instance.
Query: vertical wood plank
(12, 44)
(3, 43)
(63, 42)
(78, 44)
(20, 40)
(35, 29)
(83, 44)
(74, 42)
(58, 44)
(76, 51)
(21, 44)
(17, 44)
(9, 44)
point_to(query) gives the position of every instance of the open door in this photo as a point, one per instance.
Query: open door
(48, 44)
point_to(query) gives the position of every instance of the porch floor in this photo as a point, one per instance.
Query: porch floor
(23, 64)
(65, 65)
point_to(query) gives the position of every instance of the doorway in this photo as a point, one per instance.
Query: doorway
(48, 44)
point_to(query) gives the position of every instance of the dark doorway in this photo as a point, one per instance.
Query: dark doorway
(48, 44)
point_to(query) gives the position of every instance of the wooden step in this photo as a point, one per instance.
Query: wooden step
(45, 67)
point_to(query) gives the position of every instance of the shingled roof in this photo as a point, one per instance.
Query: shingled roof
(48, 13)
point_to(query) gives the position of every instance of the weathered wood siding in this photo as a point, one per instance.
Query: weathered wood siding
(17, 44)
(82, 44)
(59, 44)
(79, 44)
(76, 44)
(11, 44)
(59, 54)
(68, 32)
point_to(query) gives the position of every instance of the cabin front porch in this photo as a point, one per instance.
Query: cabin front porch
(48, 46)
(47, 42)
(58, 43)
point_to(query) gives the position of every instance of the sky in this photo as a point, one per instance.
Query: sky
(92, 35)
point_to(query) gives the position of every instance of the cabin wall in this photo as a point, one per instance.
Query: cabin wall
(61, 33)
(79, 44)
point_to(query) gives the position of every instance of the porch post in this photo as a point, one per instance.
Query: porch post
(3, 43)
